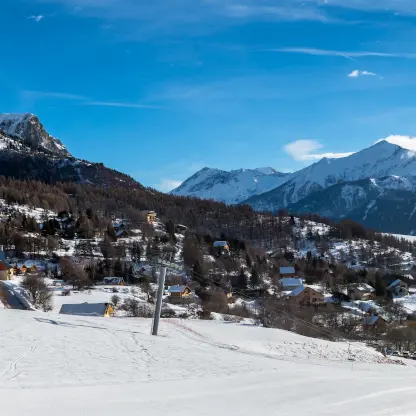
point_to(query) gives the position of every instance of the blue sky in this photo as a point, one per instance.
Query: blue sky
(159, 89)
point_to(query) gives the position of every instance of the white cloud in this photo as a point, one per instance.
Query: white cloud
(356, 73)
(37, 18)
(407, 142)
(167, 185)
(120, 104)
(344, 54)
(305, 150)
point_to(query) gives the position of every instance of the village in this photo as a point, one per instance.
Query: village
(112, 271)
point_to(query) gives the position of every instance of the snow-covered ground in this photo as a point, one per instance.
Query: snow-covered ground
(55, 364)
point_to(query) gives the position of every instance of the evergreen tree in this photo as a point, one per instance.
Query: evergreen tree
(255, 277)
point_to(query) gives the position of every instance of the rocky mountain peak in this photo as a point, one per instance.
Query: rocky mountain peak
(28, 129)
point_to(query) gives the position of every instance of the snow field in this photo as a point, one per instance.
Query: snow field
(95, 366)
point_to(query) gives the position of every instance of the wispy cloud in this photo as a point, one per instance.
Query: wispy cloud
(356, 73)
(121, 104)
(407, 142)
(37, 18)
(167, 185)
(352, 55)
(81, 99)
(50, 94)
(305, 150)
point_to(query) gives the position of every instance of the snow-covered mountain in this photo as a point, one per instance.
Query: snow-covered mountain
(382, 159)
(387, 204)
(230, 187)
(28, 151)
(29, 130)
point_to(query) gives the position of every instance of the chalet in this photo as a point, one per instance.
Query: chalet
(306, 296)
(398, 288)
(114, 281)
(361, 291)
(6, 270)
(151, 217)
(291, 283)
(88, 309)
(373, 322)
(179, 293)
(221, 248)
(287, 272)
(20, 267)
(31, 266)
(223, 245)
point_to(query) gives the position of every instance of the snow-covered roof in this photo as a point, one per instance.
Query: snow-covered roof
(177, 289)
(84, 309)
(297, 291)
(370, 320)
(394, 284)
(220, 244)
(364, 287)
(291, 281)
(287, 270)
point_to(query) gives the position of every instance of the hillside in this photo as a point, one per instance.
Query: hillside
(103, 367)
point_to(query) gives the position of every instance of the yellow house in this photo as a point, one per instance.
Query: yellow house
(31, 267)
(88, 309)
(6, 271)
(151, 217)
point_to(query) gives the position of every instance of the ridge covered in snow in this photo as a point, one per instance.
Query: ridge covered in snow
(232, 186)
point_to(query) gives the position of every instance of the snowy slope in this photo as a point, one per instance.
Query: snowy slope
(230, 187)
(31, 132)
(381, 160)
(73, 366)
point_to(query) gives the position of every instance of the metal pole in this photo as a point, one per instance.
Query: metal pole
(158, 307)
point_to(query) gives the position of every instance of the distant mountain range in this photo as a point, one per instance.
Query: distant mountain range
(230, 187)
(28, 151)
(375, 186)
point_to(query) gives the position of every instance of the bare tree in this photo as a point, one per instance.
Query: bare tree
(39, 293)
(115, 300)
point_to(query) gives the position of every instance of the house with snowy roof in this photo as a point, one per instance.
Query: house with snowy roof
(398, 288)
(361, 291)
(88, 309)
(290, 283)
(179, 293)
(288, 271)
(306, 296)
(373, 322)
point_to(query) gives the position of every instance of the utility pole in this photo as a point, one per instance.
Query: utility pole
(158, 307)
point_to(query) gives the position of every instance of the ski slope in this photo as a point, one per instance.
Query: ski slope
(57, 364)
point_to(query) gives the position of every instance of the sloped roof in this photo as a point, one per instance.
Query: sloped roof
(364, 287)
(220, 244)
(84, 309)
(394, 284)
(287, 270)
(297, 291)
(177, 289)
(291, 281)
(370, 320)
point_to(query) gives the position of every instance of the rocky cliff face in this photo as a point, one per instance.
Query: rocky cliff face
(28, 129)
